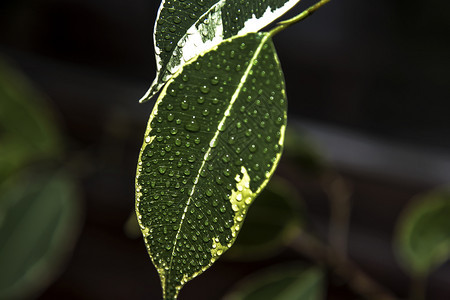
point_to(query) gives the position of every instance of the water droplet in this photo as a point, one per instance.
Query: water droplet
(213, 143)
(192, 126)
(226, 158)
(170, 117)
(162, 169)
(168, 47)
(173, 131)
(204, 89)
(214, 80)
(172, 92)
(177, 20)
(200, 100)
(191, 158)
(184, 104)
(221, 126)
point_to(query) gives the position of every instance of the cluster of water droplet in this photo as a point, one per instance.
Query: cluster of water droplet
(226, 110)
(174, 20)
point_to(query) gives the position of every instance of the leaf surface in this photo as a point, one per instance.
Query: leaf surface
(212, 142)
(184, 29)
(423, 233)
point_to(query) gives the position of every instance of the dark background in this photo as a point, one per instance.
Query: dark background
(374, 69)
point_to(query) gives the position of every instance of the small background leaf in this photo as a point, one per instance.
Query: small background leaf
(422, 242)
(39, 222)
(293, 281)
(274, 220)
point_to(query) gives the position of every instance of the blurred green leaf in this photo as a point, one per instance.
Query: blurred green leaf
(272, 222)
(39, 222)
(301, 151)
(422, 240)
(28, 131)
(287, 282)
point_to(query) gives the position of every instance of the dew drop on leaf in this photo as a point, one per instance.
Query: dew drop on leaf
(204, 89)
(192, 126)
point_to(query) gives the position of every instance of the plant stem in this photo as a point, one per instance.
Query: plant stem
(356, 278)
(303, 15)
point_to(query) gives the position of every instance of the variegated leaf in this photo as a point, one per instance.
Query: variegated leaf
(185, 29)
(213, 141)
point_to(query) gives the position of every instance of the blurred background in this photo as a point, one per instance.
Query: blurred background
(368, 90)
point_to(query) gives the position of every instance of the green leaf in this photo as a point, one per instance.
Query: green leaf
(422, 240)
(39, 223)
(286, 282)
(27, 128)
(184, 29)
(272, 223)
(213, 140)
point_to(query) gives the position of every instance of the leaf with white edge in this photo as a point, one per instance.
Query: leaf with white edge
(184, 29)
(39, 224)
(281, 282)
(213, 140)
(422, 241)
